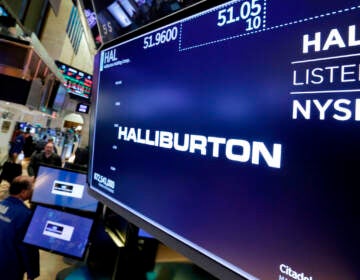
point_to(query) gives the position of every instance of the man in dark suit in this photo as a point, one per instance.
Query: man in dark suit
(46, 157)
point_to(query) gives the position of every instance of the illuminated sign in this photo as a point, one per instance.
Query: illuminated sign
(78, 83)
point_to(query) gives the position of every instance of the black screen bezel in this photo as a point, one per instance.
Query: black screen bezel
(199, 258)
(76, 211)
(86, 247)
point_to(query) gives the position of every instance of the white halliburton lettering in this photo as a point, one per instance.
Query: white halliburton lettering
(239, 150)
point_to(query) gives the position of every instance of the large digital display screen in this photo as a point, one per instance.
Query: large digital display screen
(59, 232)
(117, 18)
(63, 188)
(91, 20)
(233, 136)
(77, 82)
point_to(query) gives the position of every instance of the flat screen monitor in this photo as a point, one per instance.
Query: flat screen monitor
(59, 232)
(117, 18)
(82, 108)
(63, 188)
(232, 136)
(77, 82)
(91, 20)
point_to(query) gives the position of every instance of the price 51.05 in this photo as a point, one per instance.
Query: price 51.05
(249, 11)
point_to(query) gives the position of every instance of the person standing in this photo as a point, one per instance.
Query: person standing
(28, 143)
(47, 157)
(17, 145)
(16, 257)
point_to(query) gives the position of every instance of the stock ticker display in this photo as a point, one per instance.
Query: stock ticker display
(235, 131)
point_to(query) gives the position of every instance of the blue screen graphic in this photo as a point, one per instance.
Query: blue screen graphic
(236, 131)
(63, 188)
(59, 231)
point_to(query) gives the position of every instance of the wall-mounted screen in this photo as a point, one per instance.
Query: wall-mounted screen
(59, 232)
(91, 20)
(63, 188)
(120, 17)
(82, 108)
(232, 136)
(77, 82)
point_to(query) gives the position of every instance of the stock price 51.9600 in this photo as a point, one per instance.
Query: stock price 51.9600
(161, 37)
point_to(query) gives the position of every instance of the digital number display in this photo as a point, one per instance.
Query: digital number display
(162, 37)
(248, 11)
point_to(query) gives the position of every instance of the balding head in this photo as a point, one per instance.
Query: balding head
(21, 187)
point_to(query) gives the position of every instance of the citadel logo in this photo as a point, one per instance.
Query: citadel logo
(288, 271)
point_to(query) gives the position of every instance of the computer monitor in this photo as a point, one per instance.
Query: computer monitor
(122, 17)
(232, 136)
(59, 232)
(63, 188)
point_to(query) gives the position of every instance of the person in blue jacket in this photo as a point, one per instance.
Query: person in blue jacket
(17, 145)
(16, 257)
